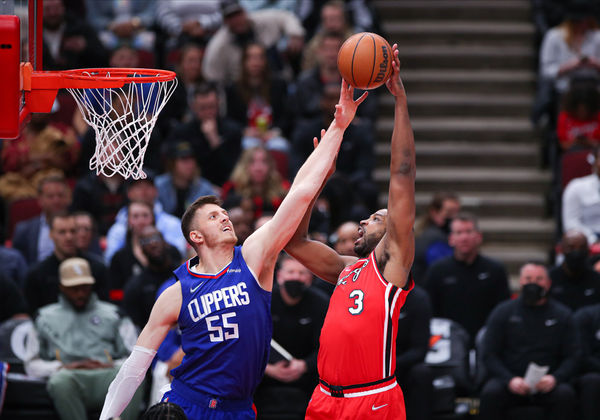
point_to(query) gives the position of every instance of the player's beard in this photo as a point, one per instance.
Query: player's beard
(367, 244)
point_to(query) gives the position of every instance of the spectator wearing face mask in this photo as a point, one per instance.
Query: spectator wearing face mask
(530, 329)
(298, 311)
(574, 282)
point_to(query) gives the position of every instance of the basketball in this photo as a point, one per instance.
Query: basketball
(365, 60)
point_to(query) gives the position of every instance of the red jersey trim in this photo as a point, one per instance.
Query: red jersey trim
(207, 276)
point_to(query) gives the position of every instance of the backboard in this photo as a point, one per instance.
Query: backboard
(20, 33)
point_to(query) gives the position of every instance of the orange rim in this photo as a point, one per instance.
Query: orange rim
(125, 75)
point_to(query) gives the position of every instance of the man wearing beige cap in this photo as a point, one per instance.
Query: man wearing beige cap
(81, 341)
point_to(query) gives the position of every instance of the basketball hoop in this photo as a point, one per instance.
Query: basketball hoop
(122, 117)
(120, 104)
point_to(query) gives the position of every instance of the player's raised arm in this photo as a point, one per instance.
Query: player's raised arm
(263, 246)
(319, 258)
(395, 253)
(131, 374)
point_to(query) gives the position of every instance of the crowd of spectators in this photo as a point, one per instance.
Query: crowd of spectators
(257, 81)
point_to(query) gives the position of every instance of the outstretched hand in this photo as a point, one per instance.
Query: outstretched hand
(394, 83)
(346, 107)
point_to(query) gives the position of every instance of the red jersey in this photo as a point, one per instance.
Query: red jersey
(358, 338)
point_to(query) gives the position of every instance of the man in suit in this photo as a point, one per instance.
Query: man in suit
(32, 236)
(42, 281)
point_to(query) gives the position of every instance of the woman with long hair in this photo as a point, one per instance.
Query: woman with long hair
(572, 49)
(258, 102)
(255, 184)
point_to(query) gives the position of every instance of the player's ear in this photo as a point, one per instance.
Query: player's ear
(196, 237)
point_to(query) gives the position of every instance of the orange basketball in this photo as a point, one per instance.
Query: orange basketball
(365, 60)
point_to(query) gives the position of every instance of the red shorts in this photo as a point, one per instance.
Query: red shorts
(387, 404)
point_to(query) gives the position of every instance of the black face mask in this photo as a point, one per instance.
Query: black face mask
(576, 261)
(294, 288)
(532, 293)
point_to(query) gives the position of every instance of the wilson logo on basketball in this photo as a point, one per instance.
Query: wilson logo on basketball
(383, 66)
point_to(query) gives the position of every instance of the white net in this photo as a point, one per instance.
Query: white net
(123, 119)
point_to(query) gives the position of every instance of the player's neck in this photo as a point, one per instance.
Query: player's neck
(212, 260)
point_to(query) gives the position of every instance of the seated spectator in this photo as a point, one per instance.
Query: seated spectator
(571, 49)
(43, 145)
(466, 286)
(131, 260)
(257, 101)
(412, 343)
(530, 329)
(182, 184)
(86, 234)
(298, 312)
(12, 302)
(360, 15)
(32, 237)
(306, 94)
(574, 282)
(431, 232)
(186, 21)
(129, 21)
(216, 140)
(42, 281)
(344, 238)
(82, 343)
(255, 183)
(101, 196)
(581, 203)
(332, 19)
(587, 320)
(189, 75)
(267, 27)
(13, 266)
(579, 120)
(145, 191)
(354, 165)
(140, 290)
(69, 42)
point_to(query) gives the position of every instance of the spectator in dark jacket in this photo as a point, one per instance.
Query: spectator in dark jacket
(530, 329)
(574, 282)
(69, 43)
(412, 343)
(31, 236)
(140, 290)
(216, 141)
(466, 286)
(41, 284)
(588, 325)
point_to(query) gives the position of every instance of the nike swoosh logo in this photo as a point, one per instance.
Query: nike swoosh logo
(192, 290)
(375, 408)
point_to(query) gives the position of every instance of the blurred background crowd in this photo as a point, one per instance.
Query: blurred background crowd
(258, 80)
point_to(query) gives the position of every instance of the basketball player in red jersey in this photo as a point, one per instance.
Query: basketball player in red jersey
(357, 357)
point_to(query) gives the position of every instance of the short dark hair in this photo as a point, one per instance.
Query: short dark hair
(58, 215)
(164, 411)
(205, 88)
(51, 179)
(188, 216)
(465, 216)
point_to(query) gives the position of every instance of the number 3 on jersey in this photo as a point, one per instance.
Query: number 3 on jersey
(231, 330)
(358, 296)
